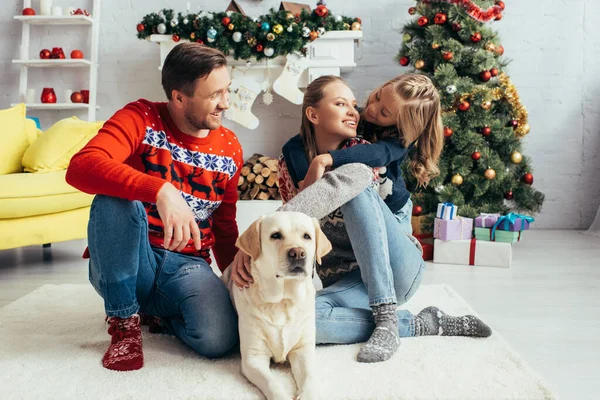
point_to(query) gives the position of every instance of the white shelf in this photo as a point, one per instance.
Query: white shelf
(72, 63)
(57, 106)
(51, 20)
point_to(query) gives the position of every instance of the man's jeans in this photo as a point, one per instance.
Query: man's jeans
(132, 276)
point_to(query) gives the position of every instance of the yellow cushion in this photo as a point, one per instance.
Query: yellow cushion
(53, 150)
(26, 194)
(14, 139)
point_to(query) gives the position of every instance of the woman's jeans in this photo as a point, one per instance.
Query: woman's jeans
(391, 270)
(132, 276)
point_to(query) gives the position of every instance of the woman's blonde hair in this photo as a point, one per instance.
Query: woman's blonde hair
(419, 119)
(314, 94)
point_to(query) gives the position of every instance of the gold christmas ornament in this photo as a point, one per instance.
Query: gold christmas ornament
(490, 47)
(486, 105)
(407, 37)
(526, 129)
(489, 174)
(457, 180)
(193, 35)
(356, 26)
(252, 41)
(516, 157)
(270, 37)
(420, 64)
(435, 46)
(289, 15)
(346, 26)
(231, 27)
(278, 29)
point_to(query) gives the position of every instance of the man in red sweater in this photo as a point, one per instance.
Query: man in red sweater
(165, 178)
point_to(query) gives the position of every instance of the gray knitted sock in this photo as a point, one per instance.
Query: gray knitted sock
(384, 340)
(433, 321)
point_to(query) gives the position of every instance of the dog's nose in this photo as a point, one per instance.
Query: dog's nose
(297, 253)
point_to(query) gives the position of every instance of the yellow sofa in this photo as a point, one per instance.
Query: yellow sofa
(37, 206)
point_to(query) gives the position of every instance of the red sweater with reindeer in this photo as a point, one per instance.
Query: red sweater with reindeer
(140, 148)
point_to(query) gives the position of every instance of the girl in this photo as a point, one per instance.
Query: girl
(357, 304)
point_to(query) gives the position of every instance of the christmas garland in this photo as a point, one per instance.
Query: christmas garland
(274, 34)
(474, 11)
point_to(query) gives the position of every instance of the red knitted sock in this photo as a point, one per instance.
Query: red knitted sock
(125, 350)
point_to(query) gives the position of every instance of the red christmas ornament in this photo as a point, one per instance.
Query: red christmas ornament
(412, 11)
(321, 11)
(140, 27)
(448, 55)
(28, 11)
(358, 20)
(200, 41)
(464, 106)
(404, 61)
(423, 21)
(57, 53)
(226, 21)
(176, 37)
(259, 47)
(486, 131)
(448, 132)
(476, 37)
(476, 156)
(513, 123)
(76, 97)
(48, 96)
(417, 210)
(509, 195)
(76, 54)
(494, 71)
(498, 17)
(501, 5)
(528, 178)
(456, 27)
(45, 54)
(485, 76)
(500, 50)
(440, 19)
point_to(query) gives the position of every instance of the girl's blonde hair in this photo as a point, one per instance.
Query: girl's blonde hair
(314, 94)
(419, 119)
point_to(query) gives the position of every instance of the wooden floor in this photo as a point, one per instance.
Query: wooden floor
(547, 306)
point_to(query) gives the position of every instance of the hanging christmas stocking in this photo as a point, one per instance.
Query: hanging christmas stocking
(287, 84)
(241, 104)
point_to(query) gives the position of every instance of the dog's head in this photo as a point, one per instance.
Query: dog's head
(283, 246)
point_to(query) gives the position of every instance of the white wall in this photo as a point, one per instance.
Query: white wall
(554, 46)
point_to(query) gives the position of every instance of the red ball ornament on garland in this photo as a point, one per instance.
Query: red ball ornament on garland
(417, 210)
(486, 131)
(423, 21)
(45, 54)
(176, 38)
(476, 156)
(448, 55)
(528, 178)
(448, 132)
(476, 37)
(321, 11)
(464, 106)
(140, 27)
(509, 195)
(226, 21)
(440, 19)
(494, 71)
(412, 11)
(456, 27)
(259, 47)
(501, 5)
(485, 76)
(404, 61)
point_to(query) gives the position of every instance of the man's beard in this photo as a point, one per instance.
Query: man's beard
(199, 123)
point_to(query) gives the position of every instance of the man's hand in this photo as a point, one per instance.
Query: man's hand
(177, 218)
(317, 168)
(240, 270)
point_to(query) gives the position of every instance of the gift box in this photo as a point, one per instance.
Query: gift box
(422, 225)
(446, 211)
(454, 229)
(472, 252)
(488, 235)
(426, 241)
(513, 222)
(486, 220)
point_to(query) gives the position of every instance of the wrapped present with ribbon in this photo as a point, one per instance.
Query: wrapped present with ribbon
(513, 222)
(486, 220)
(489, 235)
(446, 211)
(455, 229)
(472, 252)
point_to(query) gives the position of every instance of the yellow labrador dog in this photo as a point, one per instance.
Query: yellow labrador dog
(277, 312)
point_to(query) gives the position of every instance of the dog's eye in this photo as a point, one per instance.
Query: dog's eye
(307, 236)
(276, 236)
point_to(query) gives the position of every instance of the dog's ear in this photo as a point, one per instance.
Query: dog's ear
(323, 244)
(249, 241)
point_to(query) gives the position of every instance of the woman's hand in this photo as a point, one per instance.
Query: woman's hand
(240, 270)
(317, 169)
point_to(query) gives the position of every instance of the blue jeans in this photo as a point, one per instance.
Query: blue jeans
(391, 270)
(133, 276)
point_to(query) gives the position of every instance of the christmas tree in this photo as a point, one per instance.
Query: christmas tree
(482, 167)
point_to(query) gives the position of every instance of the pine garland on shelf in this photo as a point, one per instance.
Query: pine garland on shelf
(274, 34)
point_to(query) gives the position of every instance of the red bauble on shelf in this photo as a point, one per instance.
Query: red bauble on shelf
(404, 61)
(48, 96)
(76, 54)
(57, 53)
(45, 54)
(417, 210)
(76, 97)
(28, 11)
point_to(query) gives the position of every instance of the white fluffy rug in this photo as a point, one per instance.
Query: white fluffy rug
(52, 340)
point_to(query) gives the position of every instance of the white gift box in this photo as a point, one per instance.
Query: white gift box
(472, 252)
(446, 211)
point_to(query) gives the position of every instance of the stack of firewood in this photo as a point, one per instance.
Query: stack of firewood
(258, 179)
